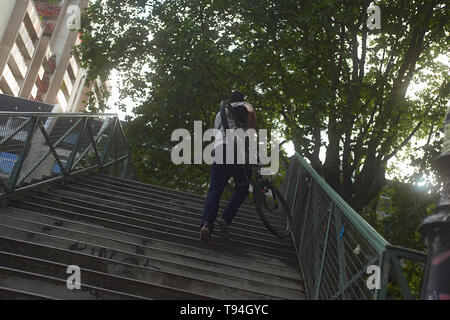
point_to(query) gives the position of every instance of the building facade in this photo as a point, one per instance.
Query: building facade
(38, 73)
(36, 62)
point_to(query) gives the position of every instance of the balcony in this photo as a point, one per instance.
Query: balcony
(43, 84)
(49, 64)
(17, 63)
(73, 66)
(48, 53)
(34, 92)
(8, 83)
(32, 21)
(25, 43)
(48, 11)
(62, 100)
(38, 96)
(49, 27)
(68, 84)
(41, 72)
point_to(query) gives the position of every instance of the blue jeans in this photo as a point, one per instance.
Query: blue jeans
(220, 174)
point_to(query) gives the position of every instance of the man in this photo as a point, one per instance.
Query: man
(221, 171)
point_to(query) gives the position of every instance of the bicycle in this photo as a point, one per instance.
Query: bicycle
(267, 199)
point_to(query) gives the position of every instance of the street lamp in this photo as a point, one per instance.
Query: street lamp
(436, 228)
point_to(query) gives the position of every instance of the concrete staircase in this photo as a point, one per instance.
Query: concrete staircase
(136, 241)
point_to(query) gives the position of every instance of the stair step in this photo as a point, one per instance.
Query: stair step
(16, 294)
(170, 209)
(144, 228)
(65, 228)
(153, 263)
(136, 241)
(152, 278)
(194, 203)
(160, 216)
(153, 188)
(50, 287)
(41, 265)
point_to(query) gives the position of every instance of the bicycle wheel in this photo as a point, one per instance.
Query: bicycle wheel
(272, 209)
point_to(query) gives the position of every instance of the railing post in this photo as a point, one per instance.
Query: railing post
(319, 278)
(385, 264)
(73, 154)
(125, 168)
(127, 146)
(19, 164)
(291, 213)
(305, 216)
(52, 147)
(289, 174)
(401, 280)
(436, 228)
(94, 145)
(341, 254)
(109, 142)
(116, 145)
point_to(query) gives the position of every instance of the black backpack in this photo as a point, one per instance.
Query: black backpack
(225, 105)
(232, 114)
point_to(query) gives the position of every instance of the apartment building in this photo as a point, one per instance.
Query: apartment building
(38, 73)
(36, 61)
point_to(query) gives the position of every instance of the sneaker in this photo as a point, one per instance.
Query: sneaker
(204, 233)
(223, 228)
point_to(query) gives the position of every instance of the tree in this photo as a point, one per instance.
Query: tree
(312, 68)
(342, 88)
(175, 57)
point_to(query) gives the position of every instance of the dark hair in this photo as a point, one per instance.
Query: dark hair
(236, 96)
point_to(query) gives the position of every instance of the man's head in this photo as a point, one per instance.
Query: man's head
(236, 96)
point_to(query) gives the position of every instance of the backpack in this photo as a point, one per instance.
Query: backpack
(229, 117)
(230, 120)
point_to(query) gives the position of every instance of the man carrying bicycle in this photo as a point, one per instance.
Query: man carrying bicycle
(222, 170)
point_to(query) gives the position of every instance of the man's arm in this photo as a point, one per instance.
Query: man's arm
(251, 120)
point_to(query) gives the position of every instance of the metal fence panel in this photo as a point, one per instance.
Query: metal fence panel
(35, 147)
(335, 246)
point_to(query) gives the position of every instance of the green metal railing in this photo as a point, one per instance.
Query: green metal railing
(338, 251)
(38, 147)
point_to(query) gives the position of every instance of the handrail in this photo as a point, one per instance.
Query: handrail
(376, 239)
(39, 146)
(336, 248)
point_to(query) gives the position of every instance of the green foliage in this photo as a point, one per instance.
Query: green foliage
(413, 272)
(311, 68)
(409, 207)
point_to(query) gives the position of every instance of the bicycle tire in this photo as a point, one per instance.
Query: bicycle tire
(278, 231)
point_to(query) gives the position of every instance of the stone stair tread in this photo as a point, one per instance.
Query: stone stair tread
(142, 237)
